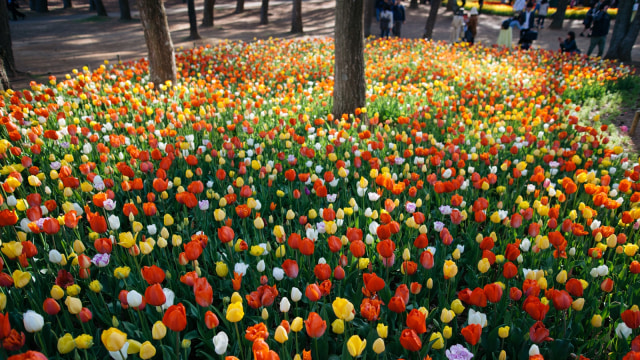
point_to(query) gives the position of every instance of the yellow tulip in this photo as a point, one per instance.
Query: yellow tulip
(113, 339)
(21, 278)
(236, 298)
(221, 269)
(256, 250)
(596, 321)
(122, 272)
(484, 265)
(258, 223)
(577, 304)
(378, 346)
(447, 332)
(74, 305)
(382, 330)
(296, 324)
(343, 309)
(12, 249)
(457, 307)
(73, 290)
(134, 346)
(235, 312)
(281, 335)
(84, 341)
(450, 269)
(168, 220)
(159, 330)
(337, 326)
(439, 341)
(356, 346)
(57, 292)
(66, 344)
(147, 350)
(503, 332)
(3, 301)
(447, 315)
(126, 240)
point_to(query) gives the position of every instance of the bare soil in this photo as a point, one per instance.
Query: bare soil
(56, 42)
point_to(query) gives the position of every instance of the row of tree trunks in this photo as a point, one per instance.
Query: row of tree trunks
(162, 61)
(125, 10)
(625, 33)
(40, 6)
(349, 83)
(207, 19)
(7, 63)
(431, 20)
(264, 12)
(296, 17)
(193, 22)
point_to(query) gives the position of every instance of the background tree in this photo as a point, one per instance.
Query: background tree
(162, 60)
(431, 20)
(125, 10)
(102, 11)
(207, 19)
(239, 6)
(7, 63)
(413, 4)
(67, 4)
(349, 84)
(558, 17)
(296, 17)
(369, 14)
(625, 33)
(452, 5)
(264, 12)
(40, 6)
(193, 22)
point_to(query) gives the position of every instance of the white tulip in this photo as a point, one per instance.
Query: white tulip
(278, 273)
(296, 294)
(134, 298)
(220, 342)
(55, 256)
(33, 322)
(285, 305)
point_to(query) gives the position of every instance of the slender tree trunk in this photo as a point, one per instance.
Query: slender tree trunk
(349, 83)
(558, 17)
(4, 79)
(625, 33)
(452, 5)
(125, 10)
(296, 17)
(264, 12)
(162, 60)
(67, 4)
(239, 6)
(413, 4)
(207, 20)
(40, 6)
(369, 14)
(92, 5)
(193, 22)
(6, 48)
(100, 8)
(431, 20)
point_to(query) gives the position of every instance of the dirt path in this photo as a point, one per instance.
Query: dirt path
(57, 42)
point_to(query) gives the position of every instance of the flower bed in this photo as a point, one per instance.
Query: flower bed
(498, 8)
(467, 210)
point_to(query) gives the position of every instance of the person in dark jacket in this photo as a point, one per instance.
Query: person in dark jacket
(527, 21)
(13, 6)
(569, 44)
(600, 29)
(398, 17)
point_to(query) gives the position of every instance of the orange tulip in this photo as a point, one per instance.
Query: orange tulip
(315, 326)
(175, 318)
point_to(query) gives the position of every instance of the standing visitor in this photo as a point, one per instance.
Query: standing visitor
(526, 20)
(542, 13)
(386, 21)
(518, 7)
(398, 17)
(505, 38)
(472, 26)
(456, 26)
(600, 30)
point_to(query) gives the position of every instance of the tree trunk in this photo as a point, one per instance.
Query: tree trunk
(193, 22)
(264, 12)
(239, 6)
(67, 4)
(4, 79)
(431, 20)
(452, 5)
(92, 5)
(207, 20)
(413, 4)
(296, 17)
(100, 8)
(40, 6)
(162, 60)
(6, 48)
(349, 83)
(369, 14)
(125, 10)
(625, 33)
(558, 17)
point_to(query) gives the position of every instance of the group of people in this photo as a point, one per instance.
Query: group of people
(596, 26)
(390, 14)
(464, 27)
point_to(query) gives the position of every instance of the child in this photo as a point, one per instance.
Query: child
(542, 13)
(386, 21)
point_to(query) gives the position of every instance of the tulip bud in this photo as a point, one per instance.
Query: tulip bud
(265, 314)
(337, 326)
(503, 355)
(378, 346)
(285, 305)
(503, 332)
(577, 304)
(447, 332)
(596, 321)
(382, 330)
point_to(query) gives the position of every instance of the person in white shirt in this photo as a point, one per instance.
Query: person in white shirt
(518, 7)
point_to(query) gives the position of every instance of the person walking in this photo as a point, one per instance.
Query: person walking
(543, 10)
(457, 25)
(472, 26)
(386, 21)
(600, 29)
(398, 17)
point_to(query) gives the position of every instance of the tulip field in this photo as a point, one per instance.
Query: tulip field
(473, 209)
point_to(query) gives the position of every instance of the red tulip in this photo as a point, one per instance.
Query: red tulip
(203, 292)
(631, 318)
(416, 320)
(322, 271)
(493, 292)
(535, 308)
(538, 333)
(51, 306)
(211, 320)
(315, 326)
(396, 304)
(290, 268)
(313, 292)
(193, 250)
(153, 274)
(409, 340)
(154, 295)
(373, 283)
(175, 318)
(226, 234)
(472, 333)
